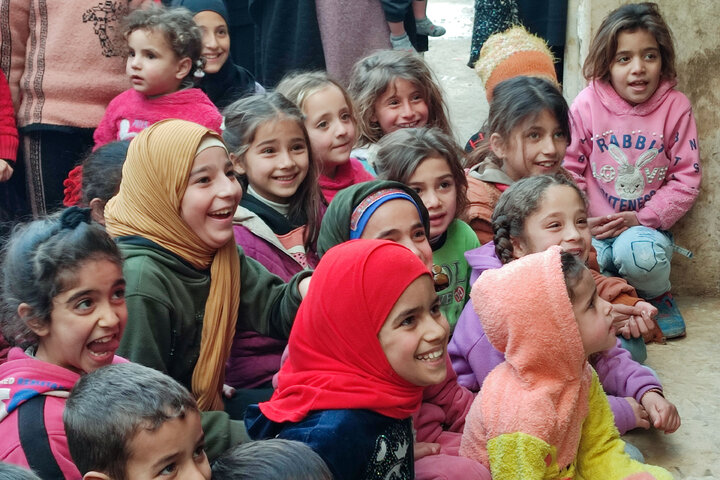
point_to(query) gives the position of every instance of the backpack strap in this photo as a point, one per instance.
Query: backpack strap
(34, 439)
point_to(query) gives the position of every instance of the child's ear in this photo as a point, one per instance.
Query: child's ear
(97, 210)
(92, 475)
(237, 164)
(497, 145)
(183, 68)
(519, 248)
(27, 314)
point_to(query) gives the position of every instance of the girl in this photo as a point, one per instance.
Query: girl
(224, 81)
(635, 153)
(389, 210)
(164, 48)
(172, 219)
(360, 353)
(527, 134)
(429, 162)
(330, 123)
(64, 308)
(278, 220)
(532, 215)
(394, 89)
(542, 412)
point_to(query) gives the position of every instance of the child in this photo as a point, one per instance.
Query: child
(273, 459)
(330, 123)
(224, 81)
(188, 283)
(394, 90)
(389, 210)
(97, 179)
(395, 11)
(532, 215)
(64, 308)
(279, 216)
(429, 162)
(360, 353)
(542, 412)
(131, 421)
(163, 62)
(635, 153)
(527, 133)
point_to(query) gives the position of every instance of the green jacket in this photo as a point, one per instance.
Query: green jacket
(166, 304)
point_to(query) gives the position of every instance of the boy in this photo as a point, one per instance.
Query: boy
(128, 421)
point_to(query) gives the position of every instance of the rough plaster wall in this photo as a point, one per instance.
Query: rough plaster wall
(697, 47)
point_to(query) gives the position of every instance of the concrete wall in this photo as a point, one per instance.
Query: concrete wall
(697, 45)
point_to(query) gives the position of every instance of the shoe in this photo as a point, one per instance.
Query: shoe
(402, 43)
(669, 318)
(426, 27)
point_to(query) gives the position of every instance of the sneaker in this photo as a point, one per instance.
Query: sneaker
(669, 318)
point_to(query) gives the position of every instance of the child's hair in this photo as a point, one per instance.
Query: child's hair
(373, 75)
(40, 261)
(573, 269)
(102, 171)
(629, 18)
(516, 204)
(9, 471)
(516, 99)
(298, 86)
(178, 27)
(108, 407)
(401, 152)
(243, 118)
(275, 459)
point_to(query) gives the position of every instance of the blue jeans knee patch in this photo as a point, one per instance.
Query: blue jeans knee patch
(644, 254)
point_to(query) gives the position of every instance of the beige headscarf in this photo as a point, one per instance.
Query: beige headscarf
(154, 179)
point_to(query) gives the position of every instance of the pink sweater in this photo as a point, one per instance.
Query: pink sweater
(130, 112)
(643, 158)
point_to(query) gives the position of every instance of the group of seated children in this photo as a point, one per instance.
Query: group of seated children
(255, 281)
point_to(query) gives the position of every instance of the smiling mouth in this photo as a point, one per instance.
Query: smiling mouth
(286, 178)
(548, 164)
(434, 355)
(103, 346)
(221, 214)
(408, 125)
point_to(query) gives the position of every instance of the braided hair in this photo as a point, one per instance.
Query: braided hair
(516, 204)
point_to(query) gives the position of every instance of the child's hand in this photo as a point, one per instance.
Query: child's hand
(423, 449)
(635, 321)
(228, 391)
(641, 415)
(303, 286)
(610, 226)
(6, 171)
(663, 414)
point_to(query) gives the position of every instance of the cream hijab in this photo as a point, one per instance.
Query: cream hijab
(154, 179)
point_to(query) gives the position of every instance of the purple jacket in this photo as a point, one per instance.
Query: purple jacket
(473, 357)
(254, 358)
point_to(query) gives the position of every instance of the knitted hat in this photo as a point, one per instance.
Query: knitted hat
(512, 53)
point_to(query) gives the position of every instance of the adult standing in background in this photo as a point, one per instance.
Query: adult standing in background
(547, 19)
(491, 16)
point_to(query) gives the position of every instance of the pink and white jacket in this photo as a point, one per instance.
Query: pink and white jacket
(131, 111)
(643, 158)
(24, 377)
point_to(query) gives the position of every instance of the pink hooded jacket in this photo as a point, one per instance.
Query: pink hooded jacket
(642, 157)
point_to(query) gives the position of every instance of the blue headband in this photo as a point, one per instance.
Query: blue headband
(365, 209)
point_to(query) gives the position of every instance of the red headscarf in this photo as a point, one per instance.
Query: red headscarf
(335, 359)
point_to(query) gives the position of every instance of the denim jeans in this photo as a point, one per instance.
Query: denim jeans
(640, 255)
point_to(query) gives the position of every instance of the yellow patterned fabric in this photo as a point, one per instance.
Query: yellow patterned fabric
(154, 179)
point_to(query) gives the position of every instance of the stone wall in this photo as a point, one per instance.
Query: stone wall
(697, 46)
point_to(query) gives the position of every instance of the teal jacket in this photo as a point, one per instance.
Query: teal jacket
(166, 297)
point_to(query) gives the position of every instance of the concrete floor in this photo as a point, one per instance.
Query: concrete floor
(690, 367)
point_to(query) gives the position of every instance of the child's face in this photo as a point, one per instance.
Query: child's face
(401, 106)
(415, 334)
(536, 146)
(215, 40)
(152, 66)
(635, 71)
(593, 316)
(331, 128)
(398, 220)
(211, 197)
(434, 183)
(560, 219)
(87, 320)
(277, 161)
(175, 450)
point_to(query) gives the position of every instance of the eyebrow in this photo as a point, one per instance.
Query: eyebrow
(402, 314)
(88, 291)
(592, 297)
